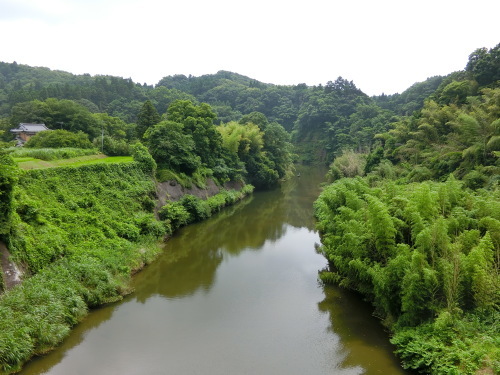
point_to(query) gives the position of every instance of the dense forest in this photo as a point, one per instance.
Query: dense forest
(410, 217)
(323, 120)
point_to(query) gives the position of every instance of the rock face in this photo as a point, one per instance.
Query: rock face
(173, 191)
(11, 274)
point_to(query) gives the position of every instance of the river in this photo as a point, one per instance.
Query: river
(235, 294)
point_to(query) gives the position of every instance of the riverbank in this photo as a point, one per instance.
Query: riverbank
(172, 191)
(424, 255)
(79, 233)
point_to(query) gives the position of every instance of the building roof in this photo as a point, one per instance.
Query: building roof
(29, 128)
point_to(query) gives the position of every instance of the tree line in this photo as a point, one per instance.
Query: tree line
(323, 119)
(184, 140)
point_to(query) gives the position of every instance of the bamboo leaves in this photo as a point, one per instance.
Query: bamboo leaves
(414, 249)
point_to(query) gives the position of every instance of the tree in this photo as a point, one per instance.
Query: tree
(482, 277)
(256, 118)
(484, 65)
(171, 148)
(147, 117)
(57, 114)
(278, 148)
(348, 164)
(456, 92)
(143, 157)
(198, 122)
(481, 135)
(245, 143)
(162, 97)
(114, 127)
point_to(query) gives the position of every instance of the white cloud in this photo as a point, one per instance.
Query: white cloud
(383, 46)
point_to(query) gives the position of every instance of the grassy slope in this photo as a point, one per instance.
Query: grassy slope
(33, 163)
(80, 232)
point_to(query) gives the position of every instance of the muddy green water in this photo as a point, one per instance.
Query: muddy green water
(236, 294)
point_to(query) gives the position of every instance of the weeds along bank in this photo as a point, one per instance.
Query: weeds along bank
(78, 233)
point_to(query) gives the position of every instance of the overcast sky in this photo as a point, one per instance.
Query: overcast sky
(381, 45)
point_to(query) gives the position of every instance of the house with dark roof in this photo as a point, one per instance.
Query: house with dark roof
(25, 131)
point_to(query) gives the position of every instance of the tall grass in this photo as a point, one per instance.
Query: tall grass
(38, 314)
(49, 154)
(163, 175)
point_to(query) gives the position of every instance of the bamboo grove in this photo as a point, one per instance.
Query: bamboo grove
(414, 225)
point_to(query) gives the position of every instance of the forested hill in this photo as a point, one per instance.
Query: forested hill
(311, 111)
(324, 119)
(230, 94)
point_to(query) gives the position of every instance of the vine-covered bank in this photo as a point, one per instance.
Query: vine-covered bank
(78, 233)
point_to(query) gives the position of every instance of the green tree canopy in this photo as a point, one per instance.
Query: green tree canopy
(172, 148)
(198, 122)
(147, 117)
(56, 114)
(484, 65)
(245, 143)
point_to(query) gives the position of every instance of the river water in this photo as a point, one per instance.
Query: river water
(235, 294)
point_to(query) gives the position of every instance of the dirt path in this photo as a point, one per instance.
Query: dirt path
(11, 274)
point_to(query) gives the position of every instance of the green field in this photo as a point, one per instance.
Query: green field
(32, 163)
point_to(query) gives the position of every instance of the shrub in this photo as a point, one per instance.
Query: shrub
(197, 208)
(419, 174)
(217, 202)
(200, 177)
(475, 180)
(164, 175)
(59, 138)
(175, 214)
(247, 189)
(149, 226)
(373, 159)
(349, 164)
(9, 174)
(143, 157)
(113, 147)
